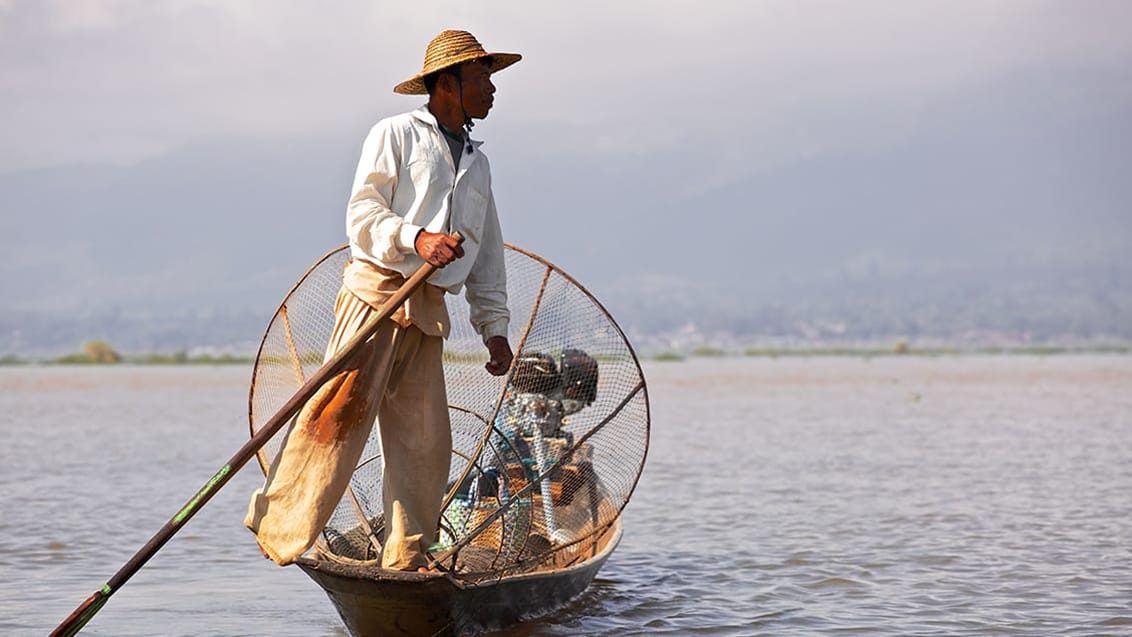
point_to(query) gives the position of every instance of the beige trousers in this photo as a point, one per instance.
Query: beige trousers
(397, 380)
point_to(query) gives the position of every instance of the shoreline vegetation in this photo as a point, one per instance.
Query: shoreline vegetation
(102, 353)
(865, 351)
(99, 352)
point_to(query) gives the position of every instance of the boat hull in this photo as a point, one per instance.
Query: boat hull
(373, 602)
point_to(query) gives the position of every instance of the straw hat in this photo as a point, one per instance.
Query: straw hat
(449, 49)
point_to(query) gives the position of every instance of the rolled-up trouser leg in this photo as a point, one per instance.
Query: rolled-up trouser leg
(416, 443)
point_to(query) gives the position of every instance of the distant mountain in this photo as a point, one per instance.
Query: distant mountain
(219, 226)
(1007, 207)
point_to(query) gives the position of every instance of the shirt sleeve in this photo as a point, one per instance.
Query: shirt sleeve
(373, 228)
(486, 285)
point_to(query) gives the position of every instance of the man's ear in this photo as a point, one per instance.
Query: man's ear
(448, 81)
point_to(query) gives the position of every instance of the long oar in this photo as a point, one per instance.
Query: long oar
(79, 618)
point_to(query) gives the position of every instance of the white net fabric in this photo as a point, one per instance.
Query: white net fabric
(544, 458)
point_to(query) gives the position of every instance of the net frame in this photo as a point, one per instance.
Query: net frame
(310, 303)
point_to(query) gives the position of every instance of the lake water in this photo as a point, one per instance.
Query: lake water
(892, 496)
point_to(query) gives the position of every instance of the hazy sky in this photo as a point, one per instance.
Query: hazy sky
(123, 80)
(784, 139)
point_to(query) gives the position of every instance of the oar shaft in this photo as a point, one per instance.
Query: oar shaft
(81, 615)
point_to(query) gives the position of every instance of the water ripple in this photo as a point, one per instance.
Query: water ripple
(780, 498)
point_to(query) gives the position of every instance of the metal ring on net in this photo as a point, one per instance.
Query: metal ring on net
(544, 458)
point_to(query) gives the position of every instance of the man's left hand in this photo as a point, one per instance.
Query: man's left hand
(500, 351)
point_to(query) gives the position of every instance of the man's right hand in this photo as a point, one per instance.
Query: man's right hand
(437, 248)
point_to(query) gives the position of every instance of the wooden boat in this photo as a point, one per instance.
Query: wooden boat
(375, 602)
(502, 563)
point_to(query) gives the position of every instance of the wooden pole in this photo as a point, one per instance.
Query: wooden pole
(337, 363)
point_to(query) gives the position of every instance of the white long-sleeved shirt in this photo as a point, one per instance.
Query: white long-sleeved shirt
(406, 180)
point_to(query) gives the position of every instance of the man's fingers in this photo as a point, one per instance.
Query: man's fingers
(453, 244)
(444, 250)
(441, 255)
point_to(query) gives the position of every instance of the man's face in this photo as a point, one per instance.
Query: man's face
(478, 90)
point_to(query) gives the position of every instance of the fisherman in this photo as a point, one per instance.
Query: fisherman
(420, 180)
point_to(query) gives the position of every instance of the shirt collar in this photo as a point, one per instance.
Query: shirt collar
(426, 116)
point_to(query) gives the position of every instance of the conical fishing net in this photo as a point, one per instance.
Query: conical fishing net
(544, 459)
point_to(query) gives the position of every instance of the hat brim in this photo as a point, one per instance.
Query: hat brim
(415, 85)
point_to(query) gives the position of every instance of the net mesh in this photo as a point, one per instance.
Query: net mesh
(544, 459)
